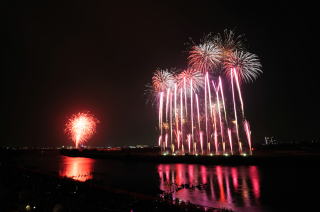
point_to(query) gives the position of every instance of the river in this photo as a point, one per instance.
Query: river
(240, 188)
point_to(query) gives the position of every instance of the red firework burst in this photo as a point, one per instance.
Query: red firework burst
(190, 74)
(80, 127)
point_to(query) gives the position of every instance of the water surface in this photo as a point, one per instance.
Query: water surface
(240, 188)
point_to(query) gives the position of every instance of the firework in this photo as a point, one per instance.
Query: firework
(188, 75)
(248, 134)
(228, 42)
(230, 140)
(199, 107)
(80, 127)
(162, 80)
(247, 65)
(204, 57)
(198, 113)
(235, 108)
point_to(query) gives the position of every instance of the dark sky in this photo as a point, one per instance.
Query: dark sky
(68, 56)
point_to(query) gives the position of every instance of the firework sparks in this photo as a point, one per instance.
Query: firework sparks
(189, 143)
(222, 95)
(188, 75)
(81, 127)
(228, 42)
(198, 112)
(247, 65)
(199, 103)
(235, 108)
(162, 80)
(248, 134)
(239, 90)
(204, 57)
(230, 140)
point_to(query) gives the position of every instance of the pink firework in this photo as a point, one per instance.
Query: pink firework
(202, 106)
(248, 134)
(80, 127)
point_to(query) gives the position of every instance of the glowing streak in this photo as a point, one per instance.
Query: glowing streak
(201, 142)
(215, 121)
(166, 140)
(160, 112)
(205, 105)
(185, 95)
(191, 105)
(197, 100)
(209, 92)
(170, 118)
(159, 141)
(248, 133)
(167, 103)
(210, 103)
(234, 107)
(222, 95)
(176, 115)
(239, 91)
(230, 140)
(219, 113)
(189, 142)
(215, 132)
(178, 140)
(181, 116)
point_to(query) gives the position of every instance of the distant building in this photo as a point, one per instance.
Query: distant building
(270, 140)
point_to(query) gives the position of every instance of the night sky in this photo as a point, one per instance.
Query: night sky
(62, 58)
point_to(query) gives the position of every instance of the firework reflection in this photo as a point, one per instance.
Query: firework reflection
(217, 186)
(76, 168)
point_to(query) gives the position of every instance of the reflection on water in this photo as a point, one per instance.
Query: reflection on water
(212, 186)
(79, 169)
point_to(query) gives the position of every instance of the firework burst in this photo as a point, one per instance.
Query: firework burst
(189, 75)
(228, 41)
(80, 127)
(162, 80)
(247, 65)
(205, 56)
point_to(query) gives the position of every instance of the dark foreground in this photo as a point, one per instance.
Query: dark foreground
(26, 190)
